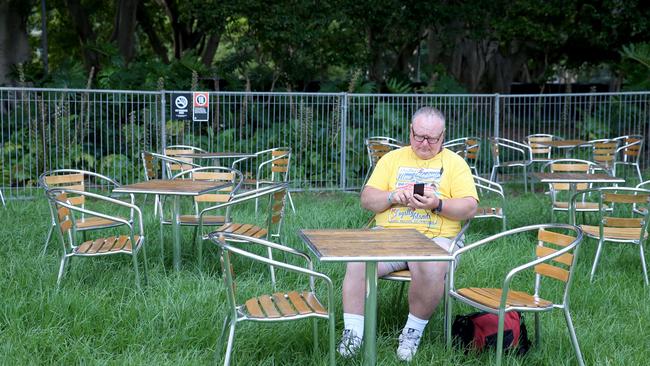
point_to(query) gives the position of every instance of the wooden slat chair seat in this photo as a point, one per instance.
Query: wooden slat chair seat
(554, 257)
(65, 216)
(269, 229)
(109, 244)
(75, 179)
(488, 212)
(580, 206)
(193, 220)
(286, 305)
(509, 154)
(292, 305)
(621, 223)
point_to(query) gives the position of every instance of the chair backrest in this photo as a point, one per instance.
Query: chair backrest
(569, 166)
(467, 147)
(231, 178)
(280, 164)
(154, 165)
(623, 220)
(561, 267)
(275, 216)
(175, 150)
(73, 179)
(377, 148)
(603, 152)
(630, 149)
(539, 150)
(63, 219)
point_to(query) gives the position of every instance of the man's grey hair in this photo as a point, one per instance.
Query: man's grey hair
(429, 112)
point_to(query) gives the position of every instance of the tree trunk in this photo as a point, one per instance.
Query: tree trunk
(144, 20)
(124, 28)
(85, 33)
(210, 49)
(14, 44)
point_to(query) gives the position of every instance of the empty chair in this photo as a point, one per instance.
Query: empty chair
(621, 224)
(492, 200)
(378, 146)
(75, 179)
(561, 192)
(274, 305)
(467, 147)
(175, 150)
(640, 208)
(206, 209)
(269, 229)
(158, 166)
(629, 153)
(540, 153)
(272, 166)
(509, 154)
(67, 216)
(603, 153)
(552, 258)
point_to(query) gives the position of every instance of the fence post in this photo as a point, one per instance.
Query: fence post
(497, 102)
(163, 128)
(344, 121)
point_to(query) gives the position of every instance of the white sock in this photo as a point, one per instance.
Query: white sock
(415, 323)
(354, 322)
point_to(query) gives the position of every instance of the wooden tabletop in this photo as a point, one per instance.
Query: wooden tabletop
(366, 245)
(216, 155)
(576, 178)
(180, 187)
(562, 143)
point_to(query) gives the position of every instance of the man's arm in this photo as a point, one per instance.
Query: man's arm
(377, 200)
(461, 208)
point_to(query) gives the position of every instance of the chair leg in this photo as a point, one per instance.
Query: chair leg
(64, 260)
(538, 331)
(162, 242)
(231, 340)
(574, 339)
(146, 266)
(134, 258)
(198, 240)
(598, 251)
(293, 208)
(332, 336)
(314, 327)
(47, 239)
(271, 268)
(643, 265)
(638, 172)
(493, 174)
(525, 180)
(502, 318)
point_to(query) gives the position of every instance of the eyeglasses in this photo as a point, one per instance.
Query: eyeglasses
(430, 140)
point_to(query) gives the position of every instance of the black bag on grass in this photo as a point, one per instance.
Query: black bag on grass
(478, 331)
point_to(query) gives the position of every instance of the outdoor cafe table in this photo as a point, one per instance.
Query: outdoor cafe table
(175, 188)
(372, 246)
(569, 145)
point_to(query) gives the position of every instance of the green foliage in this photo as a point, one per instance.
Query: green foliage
(396, 86)
(636, 66)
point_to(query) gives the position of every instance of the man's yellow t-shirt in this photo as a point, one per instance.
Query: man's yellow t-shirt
(447, 172)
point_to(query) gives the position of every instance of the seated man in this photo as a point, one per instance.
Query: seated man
(449, 197)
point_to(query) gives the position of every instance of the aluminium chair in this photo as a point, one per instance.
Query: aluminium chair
(603, 153)
(269, 229)
(378, 146)
(630, 152)
(639, 208)
(467, 147)
(273, 166)
(77, 180)
(174, 151)
(623, 224)
(492, 201)
(204, 203)
(561, 192)
(274, 305)
(509, 154)
(553, 255)
(158, 166)
(540, 153)
(67, 216)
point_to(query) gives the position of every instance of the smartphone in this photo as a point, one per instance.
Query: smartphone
(418, 188)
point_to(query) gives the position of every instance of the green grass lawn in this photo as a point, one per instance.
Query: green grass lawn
(99, 317)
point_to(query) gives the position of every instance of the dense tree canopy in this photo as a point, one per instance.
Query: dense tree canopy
(476, 45)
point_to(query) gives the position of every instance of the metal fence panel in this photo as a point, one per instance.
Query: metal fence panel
(105, 131)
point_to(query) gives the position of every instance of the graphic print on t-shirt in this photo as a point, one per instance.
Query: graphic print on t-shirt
(407, 177)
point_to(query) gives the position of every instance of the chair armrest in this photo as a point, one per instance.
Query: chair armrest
(243, 197)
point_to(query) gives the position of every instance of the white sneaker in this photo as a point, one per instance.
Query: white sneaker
(409, 341)
(350, 343)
